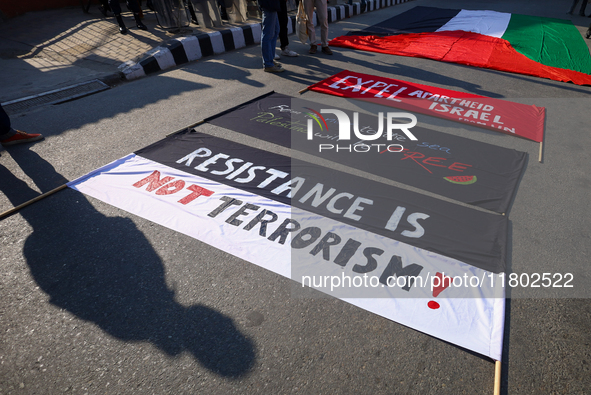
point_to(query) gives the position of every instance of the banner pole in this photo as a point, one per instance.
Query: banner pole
(186, 127)
(238, 106)
(42, 196)
(497, 378)
(303, 91)
(541, 149)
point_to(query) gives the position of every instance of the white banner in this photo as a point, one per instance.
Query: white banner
(434, 294)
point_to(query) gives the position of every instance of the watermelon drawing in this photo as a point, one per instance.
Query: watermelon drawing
(462, 180)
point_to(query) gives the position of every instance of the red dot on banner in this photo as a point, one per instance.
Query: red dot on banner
(433, 305)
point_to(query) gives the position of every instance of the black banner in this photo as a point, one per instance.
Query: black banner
(471, 236)
(466, 170)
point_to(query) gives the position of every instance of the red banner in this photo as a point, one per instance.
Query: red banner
(522, 120)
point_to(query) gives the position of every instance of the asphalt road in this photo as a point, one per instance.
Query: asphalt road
(96, 300)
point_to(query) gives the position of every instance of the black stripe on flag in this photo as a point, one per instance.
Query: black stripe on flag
(416, 20)
(338, 9)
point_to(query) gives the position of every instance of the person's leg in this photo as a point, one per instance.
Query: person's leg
(283, 20)
(269, 37)
(192, 12)
(284, 40)
(322, 14)
(116, 8)
(276, 35)
(9, 136)
(135, 8)
(583, 6)
(572, 8)
(5, 130)
(309, 8)
(104, 7)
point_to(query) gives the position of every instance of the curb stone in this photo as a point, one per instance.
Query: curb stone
(190, 48)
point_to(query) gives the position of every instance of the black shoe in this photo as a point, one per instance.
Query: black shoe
(138, 22)
(588, 34)
(122, 28)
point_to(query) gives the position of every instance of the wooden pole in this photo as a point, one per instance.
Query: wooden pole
(42, 196)
(497, 378)
(541, 150)
(303, 91)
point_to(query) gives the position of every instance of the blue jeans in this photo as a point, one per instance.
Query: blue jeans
(269, 37)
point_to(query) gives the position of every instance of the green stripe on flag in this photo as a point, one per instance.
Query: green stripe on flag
(552, 42)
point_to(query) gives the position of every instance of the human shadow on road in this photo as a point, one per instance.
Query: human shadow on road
(225, 72)
(104, 270)
(317, 67)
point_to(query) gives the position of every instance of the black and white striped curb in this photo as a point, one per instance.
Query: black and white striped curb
(186, 49)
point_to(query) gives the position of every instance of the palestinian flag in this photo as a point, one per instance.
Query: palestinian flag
(542, 47)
